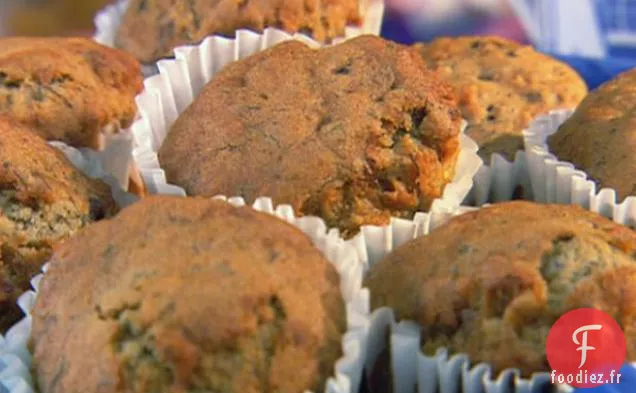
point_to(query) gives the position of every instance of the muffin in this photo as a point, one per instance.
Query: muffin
(486, 285)
(152, 29)
(68, 89)
(187, 294)
(43, 200)
(50, 17)
(600, 137)
(354, 133)
(501, 86)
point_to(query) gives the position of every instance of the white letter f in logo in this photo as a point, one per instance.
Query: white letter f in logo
(584, 347)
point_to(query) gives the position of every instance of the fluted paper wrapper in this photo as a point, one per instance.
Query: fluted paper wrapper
(15, 359)
(169, 93)
(412, 370)
(498, 181)
(555, 181)
(113, 162)
(107, 23)
(110, 165)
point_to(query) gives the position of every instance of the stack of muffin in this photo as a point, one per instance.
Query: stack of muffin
(66, 90)
(192, 294)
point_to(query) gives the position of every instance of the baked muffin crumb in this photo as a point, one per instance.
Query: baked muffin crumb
(188, 294)
(354, 133)
(151, 30)
(501, 86)
(600, 139)
(485, 285)
(68, 89)
(43, 200)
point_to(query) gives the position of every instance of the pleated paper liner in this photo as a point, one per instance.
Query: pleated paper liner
(15, 359)
(501, 180)
(115, 158)
(411, 370)
(110, 165)
(555, 181)
(107, 23)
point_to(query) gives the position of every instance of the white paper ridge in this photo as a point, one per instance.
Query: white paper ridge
(555, 181)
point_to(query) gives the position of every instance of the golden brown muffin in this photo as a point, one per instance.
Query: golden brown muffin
(151, 29)
(52, 17)
(600, 138)
(43, 199)
(501, 86)
(488, 285)
(354, 133)
(184, 295)
(68, 89)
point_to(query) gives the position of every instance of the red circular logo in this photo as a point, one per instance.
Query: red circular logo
(585, 348)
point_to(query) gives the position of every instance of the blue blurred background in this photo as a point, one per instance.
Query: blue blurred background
(561, 27)
(421, 20)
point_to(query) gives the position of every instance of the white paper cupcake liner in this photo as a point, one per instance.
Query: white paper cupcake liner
(412, 371)
(115, 159)
(169, 93)
(107, 23)
(498, 181)
(110, 165)
(15, 359)
(555, 181)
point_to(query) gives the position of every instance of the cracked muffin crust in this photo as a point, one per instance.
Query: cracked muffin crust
(151, 29)
(68, 89)
(187, 295)
(486, 285)
(353, 133)
(600, 137)
(501, 86)
(43, 200)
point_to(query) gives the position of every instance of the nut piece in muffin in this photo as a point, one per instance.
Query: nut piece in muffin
(188, 294)
(600, 137)
(43, 200)
(487, 285)
(68, 89)
(501, 86)
(152, 29)
(353, 133)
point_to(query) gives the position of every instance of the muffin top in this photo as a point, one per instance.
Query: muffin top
(353, 133)
(152, 29)
(68, 89)
(187, 294)
(600, 138)
(487, 285)
(501, 86)
(43, 199)
(37, 173)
